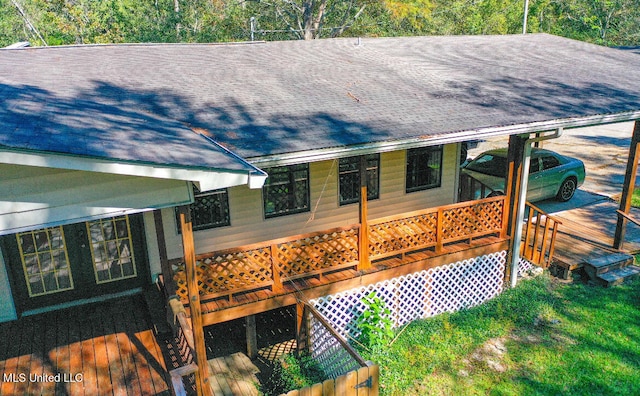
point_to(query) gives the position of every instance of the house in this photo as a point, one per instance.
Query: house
(102, 145)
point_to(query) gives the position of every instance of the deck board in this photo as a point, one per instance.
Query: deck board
(5, 334)
(150, 350)
(11, 356)
(93, 341)
(24, 361)
(101, 358)
(587, 232)
(114, 356)
(144, 379)
(129, 353)
(75, 355)
(233, 375)
(37, 365)
(89, 372)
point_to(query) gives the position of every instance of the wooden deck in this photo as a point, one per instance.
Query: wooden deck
(588, 231)
(250, 279)
(233, 375)
(100, 349)
(224, 309)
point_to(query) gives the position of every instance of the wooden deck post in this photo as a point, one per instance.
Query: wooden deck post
(628, 186)
(275, 269)
(167, 272)
(440, 231)
(515, 173)
(252, 339)
(202, 375)
(301, 339)
(363, 245)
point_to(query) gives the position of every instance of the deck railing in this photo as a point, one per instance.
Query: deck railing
(470, 188)
(346, 372)
(182, 377)
(538, 241)
(268, 264)
(316, 338)
(435, 227)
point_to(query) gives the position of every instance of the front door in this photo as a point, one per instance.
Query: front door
(73, 262)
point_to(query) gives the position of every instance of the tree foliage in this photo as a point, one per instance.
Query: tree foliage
(607, 22)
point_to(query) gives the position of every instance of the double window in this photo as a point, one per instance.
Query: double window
(424, 168)
(210, 209)
(286, 190)
(349, 178)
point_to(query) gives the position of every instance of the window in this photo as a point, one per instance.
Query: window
(424, 168)
(45, 261)
(209, 209)
(549, 162)
(534, 165)
(111, 249)
(349, 178)
(286, 190)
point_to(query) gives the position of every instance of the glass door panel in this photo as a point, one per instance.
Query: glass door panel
(45, 261)
(113, 257)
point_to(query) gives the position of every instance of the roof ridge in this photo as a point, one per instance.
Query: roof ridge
(214, 44)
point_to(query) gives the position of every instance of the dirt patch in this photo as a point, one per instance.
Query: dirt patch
(490, 356)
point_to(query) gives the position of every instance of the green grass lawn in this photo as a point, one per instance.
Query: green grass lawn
(542, 338)
(635, 198)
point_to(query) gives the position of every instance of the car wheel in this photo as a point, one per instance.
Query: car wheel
(567, 189)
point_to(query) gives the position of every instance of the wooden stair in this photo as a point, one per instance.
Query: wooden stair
(611, 269)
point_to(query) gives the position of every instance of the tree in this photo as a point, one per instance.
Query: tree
(608, 22)
(311, 19)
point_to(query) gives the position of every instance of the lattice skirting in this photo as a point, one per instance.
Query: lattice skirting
(423, 294)
(328, 353)
(524, 267)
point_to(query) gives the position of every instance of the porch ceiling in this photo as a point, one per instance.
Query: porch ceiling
(294, 100)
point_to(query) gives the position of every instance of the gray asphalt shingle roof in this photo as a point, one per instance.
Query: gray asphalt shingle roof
(142, 102)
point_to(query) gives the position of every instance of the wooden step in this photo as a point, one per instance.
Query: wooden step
(617, 276)
(595, 266)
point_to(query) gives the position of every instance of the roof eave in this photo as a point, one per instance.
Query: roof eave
(438, 139)
(206, 178)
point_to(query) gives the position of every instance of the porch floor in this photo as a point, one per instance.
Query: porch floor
(97, 349)
(588, 231)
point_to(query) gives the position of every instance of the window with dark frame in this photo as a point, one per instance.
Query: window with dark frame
(286, 190)
(424, 168)
(210, 209)
(349, 178)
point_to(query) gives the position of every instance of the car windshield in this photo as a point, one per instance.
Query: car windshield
(490, 165)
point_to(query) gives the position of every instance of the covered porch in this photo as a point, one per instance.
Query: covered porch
(102, 348)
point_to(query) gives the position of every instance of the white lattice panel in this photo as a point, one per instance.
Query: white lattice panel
(328, 353)
(524, 266)
(423, 294)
